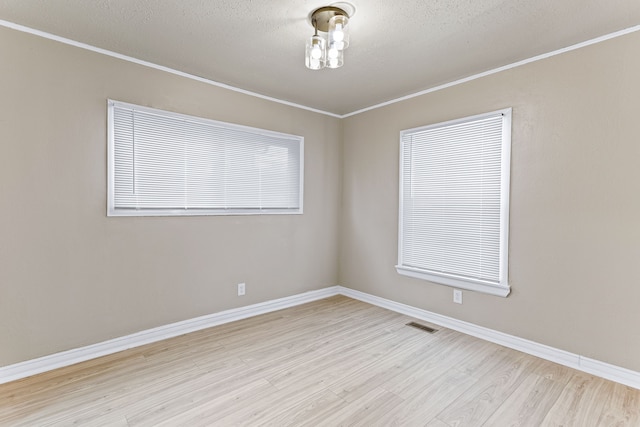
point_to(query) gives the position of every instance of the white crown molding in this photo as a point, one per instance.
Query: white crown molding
(85, 46)
(499, 69)
(148, 64)
(575, 361)
(70, 357)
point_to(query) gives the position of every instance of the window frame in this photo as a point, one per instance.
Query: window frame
(114, 211)
(502, 288)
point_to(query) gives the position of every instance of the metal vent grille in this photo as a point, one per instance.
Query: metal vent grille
(422, 327)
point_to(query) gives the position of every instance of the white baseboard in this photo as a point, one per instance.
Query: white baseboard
(581, 363)
(70, 357)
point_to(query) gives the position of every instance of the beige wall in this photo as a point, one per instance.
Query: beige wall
(575, 201)
(70, 276)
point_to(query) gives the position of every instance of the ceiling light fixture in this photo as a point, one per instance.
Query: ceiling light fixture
(328, 51)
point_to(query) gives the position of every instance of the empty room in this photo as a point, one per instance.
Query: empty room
(287, 213)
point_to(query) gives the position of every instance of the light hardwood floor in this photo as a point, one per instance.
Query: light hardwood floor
(332, 362)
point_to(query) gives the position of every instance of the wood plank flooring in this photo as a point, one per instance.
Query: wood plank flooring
(333, 362)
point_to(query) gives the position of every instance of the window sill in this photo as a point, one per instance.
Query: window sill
(199, 212)
(455, 282)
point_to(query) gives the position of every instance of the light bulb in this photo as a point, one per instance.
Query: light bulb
(335, 58)
(316, 53)
(339, 32)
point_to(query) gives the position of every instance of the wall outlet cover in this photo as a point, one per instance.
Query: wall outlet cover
(457, 296)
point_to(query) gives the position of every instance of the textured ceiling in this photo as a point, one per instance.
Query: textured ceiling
(397, 48)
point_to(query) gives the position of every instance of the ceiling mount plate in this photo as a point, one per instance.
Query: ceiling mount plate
(319, 18)
(347, 7)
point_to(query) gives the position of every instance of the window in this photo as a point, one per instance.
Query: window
(163, 163)
(454, 202)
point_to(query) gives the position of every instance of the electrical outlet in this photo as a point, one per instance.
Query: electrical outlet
(457, 296)
(241, 289)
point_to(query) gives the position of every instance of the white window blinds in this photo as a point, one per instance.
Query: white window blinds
(163, 163)
(454, 202)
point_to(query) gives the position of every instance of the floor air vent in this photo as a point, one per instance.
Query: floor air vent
(422, 327)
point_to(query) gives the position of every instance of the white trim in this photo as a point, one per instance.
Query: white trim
(248, 134)
(575, 361)
(64, 40)
(58, 360)
(106, 52)
(610, 372)
(498, 287)
(455, 281)
(70, 357)
(499, 69)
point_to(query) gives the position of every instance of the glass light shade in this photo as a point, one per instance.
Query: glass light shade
(316, 53)
(339, 32)
(335, 57)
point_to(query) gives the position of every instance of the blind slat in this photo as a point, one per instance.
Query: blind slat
(451, 201)
(162, 160)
